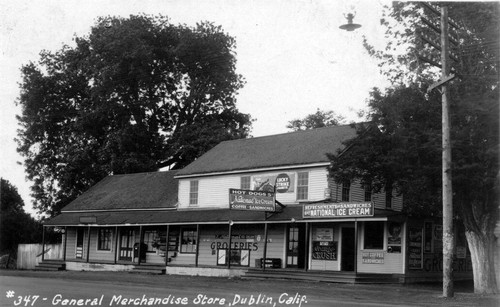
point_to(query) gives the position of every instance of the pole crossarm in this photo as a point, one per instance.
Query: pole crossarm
(441, 82)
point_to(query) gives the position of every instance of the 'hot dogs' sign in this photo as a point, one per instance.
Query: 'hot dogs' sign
(338, 210)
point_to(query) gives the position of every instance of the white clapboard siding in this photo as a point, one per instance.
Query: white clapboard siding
(96, 255)
(393, 262)
(213, 191)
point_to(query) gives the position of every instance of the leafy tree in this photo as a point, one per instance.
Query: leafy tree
(316, 120)
(137, 94)
(402, 147)
(16, 226)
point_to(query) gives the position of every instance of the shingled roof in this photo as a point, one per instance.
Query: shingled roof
(288, 149)
(129, 191)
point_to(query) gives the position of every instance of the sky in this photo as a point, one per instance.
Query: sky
(292, 54)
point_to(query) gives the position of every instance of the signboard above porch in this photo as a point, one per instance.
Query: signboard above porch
(338, 210)
(251, 200)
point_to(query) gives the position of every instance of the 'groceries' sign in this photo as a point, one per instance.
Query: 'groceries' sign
(251, 200)
(338, 210)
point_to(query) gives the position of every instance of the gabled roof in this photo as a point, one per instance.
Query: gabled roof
(130, 191)
(288, 149)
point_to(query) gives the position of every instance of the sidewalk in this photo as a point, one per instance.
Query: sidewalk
(377, 295)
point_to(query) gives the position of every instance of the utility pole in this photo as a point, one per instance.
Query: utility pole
(448, 232)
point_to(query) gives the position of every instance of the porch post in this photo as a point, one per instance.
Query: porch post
(117, 235)
(265, 248)
(140, 246)
(88, 243)
(65, 242)
(306, 254)
(355, 246)
(43, 243)
(166, 245)
(197, 244)
(229, 247)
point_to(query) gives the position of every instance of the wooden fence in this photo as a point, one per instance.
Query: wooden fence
(29, 255)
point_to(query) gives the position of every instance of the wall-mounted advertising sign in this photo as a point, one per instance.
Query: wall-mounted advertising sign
(282, 183)
(372, 257)
(251, 200)
(338, 210)
(324, 250)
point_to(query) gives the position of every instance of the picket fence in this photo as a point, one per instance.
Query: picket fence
(29, 255)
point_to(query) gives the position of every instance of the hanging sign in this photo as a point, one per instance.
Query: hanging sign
(251, 200)
(338, 210)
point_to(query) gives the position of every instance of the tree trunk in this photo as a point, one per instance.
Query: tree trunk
(482, 249)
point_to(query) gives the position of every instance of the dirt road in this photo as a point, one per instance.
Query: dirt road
(39, 289)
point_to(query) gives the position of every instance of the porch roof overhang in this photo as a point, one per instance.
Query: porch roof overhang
(209, 216)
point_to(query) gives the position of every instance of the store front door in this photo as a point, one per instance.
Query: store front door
(127, 238)
(347, 252)
(296, 248)
(80, 233)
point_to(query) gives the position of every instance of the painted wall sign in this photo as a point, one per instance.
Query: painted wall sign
(373, 257)
(267, 182)
(415, 248)
(323, 250)
(251, 200)
(282, 183)
(338, 210)
(323, 234)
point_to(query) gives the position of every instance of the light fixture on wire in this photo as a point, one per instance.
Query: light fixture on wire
(350, 26)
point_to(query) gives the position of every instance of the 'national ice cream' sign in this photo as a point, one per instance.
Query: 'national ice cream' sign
(251, 200)
(338, 210)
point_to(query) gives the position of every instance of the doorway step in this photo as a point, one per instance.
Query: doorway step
(321, 276)
(150, 268)
(51, 265)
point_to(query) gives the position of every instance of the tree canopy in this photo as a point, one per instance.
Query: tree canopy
(402, 146)
(137, 94)
(316, 120)
(16, 226)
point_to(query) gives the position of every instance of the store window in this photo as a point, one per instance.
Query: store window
(302, 186)
(374, 235)
(150, 237)
(346, 190)
(193, 192)
(188, 241)
(105, 237)
(245, 183)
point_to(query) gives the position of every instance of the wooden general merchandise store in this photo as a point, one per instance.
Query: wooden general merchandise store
(253, 207)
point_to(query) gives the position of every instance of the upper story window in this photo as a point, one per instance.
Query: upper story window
(368, 191)
(388, 197)
(346, 190)
(105, 237)
(245, 182)
(193, 192)
(302, 185)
